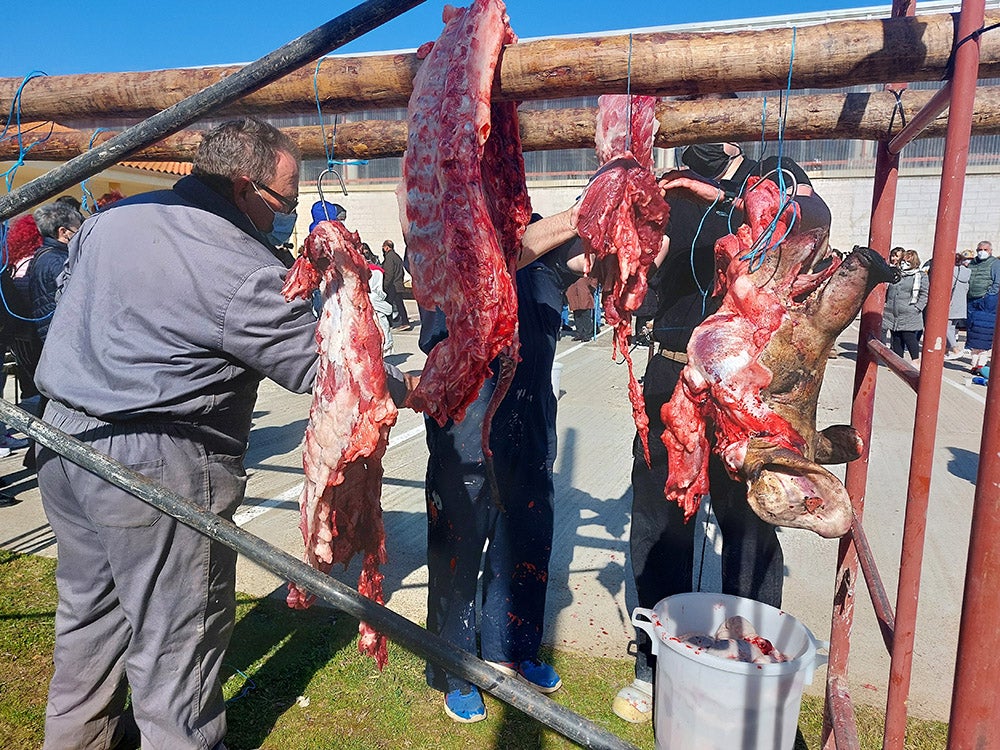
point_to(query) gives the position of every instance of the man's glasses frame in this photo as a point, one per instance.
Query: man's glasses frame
(288, 205)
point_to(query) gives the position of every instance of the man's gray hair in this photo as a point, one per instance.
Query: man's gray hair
(242, 148)
(54, 215)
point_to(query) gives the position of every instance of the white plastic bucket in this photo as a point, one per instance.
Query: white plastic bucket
(705, 702)
(556, 375)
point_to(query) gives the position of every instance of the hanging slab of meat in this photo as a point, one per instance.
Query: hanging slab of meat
(755, 369)
(622, 218)
(463, 208)
(349, 420)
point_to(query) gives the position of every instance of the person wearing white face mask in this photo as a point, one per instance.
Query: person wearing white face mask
(905, 301)
(981, 313)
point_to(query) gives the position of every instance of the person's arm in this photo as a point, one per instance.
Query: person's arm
(686, 184)
(813, 211)
(547, 234)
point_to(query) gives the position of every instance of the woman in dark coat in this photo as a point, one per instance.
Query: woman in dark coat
(981, 317)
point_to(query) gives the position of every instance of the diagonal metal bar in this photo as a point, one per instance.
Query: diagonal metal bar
(307, 48)
(880, 599)
(407, 634)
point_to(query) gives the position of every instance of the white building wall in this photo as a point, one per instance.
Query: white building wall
(850, 200)
(373, 212)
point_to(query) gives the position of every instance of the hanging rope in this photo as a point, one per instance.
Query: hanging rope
(757, 253)
(88, 197)
(949, 69)
(329, 149)
(14, 118)
(896, 109)
(628, 93)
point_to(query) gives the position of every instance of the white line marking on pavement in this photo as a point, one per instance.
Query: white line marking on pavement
(395, 440)
(251, 512)
(967, 390)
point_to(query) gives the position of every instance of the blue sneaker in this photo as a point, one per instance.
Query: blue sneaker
(540, 675)
(465, 707)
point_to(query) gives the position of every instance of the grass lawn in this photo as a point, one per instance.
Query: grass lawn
(295, 681)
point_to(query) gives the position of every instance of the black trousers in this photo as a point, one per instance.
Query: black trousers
(662, 544)
(400, 316)
(583, 321)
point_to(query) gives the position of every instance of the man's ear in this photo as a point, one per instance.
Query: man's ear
(242, 188)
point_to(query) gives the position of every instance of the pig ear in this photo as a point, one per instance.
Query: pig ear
(790, 490)
(838, 444)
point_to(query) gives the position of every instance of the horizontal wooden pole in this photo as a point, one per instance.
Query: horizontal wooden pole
(833, 116)
(830, 55)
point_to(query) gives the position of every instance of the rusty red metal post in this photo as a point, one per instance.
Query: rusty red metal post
(839, 705)
(975, 707)
(956, 152)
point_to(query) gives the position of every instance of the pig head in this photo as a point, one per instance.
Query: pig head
(754, 374)
(789, 488)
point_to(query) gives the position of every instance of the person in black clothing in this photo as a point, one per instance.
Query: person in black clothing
(392, 283)
(704, 206)
(57, 223)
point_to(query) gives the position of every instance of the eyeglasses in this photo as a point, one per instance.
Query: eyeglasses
(288, 205)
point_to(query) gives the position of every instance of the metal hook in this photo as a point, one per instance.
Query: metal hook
(319, 188)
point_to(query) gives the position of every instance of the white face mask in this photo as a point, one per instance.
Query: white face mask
(983, 254)
(904, 266)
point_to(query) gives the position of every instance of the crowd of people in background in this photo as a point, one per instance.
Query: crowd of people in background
(36, 248)
(975, 284)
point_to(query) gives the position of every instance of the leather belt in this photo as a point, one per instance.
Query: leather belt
(681, 357)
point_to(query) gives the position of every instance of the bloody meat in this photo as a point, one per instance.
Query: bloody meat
(349, 421)
(463, 207)
(622, 218)
(722, 384)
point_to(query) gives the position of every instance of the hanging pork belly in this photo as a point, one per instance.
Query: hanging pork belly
(463, 208)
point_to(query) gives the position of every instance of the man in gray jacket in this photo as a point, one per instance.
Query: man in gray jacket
(171, 316)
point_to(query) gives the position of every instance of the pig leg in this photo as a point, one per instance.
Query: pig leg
(838, 444)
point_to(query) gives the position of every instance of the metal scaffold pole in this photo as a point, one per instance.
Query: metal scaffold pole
(407, 634)
(307, 48)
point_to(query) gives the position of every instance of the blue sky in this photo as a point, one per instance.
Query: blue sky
(59, 37)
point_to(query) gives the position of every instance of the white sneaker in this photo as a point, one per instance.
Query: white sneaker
(952, 356)
(634, 702)
(4, 452)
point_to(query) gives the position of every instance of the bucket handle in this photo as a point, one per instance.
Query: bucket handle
(642, 618)
(818, 659)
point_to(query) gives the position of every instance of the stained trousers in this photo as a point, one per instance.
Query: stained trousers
(515, 529)
(662, 544)
(462, 519)
(583, 321)
(144, 602)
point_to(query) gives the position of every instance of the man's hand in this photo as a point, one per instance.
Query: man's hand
(686, 184)
(412, 380)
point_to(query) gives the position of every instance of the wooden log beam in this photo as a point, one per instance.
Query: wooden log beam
(834, 116)
(829, 55)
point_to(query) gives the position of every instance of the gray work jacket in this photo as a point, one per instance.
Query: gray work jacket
(173, 311)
